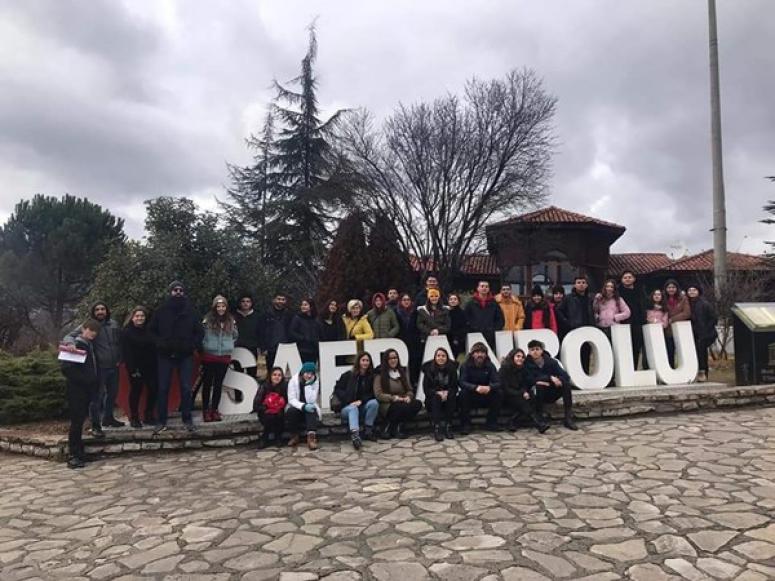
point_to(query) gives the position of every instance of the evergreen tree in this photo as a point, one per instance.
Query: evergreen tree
(389, 265)
(343, 275)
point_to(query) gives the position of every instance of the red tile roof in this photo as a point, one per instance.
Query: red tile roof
(555, 215)
(480, 264)
(638, 262)
(735, 261)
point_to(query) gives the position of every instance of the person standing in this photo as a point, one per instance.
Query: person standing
(220, 336)
(431, 281)
(382, 319)
(517, 393)
(549, 381)
(678, 309)
(82, 383)
(704, 321)
(609, 308)
(432, 317)
(392, 389)
(440, 384)
(407, 319)
(177, 333)
(356, 324)
(303, 411)
(483, 313)
(513, 311)
(635, 297)
(331, 324)
(458, 326)
(355, 392)
(139, 354)
(249, 328)
(277, 321)
(269, 403)
(558, 295)
(393, 296)
(107, 352)
(539, 314)
(576, 311)
(479, 388)
(305, 330)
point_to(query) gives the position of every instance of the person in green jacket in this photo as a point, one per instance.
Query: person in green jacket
(382, 319)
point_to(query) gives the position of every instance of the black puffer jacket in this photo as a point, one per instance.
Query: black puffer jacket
(704, 319)
(305, 332)
(437, 378)
(353, 387)
(176, 329)
(513, 379)
(138, 349)
(575, 311)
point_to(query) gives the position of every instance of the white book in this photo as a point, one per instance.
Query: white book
(77, 356)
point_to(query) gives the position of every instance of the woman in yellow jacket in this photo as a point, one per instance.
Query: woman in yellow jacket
(357, 324)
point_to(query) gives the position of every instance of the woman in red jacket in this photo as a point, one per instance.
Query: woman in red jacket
(539, 314)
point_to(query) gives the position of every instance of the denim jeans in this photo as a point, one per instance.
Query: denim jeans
(368, 411)
(185, 367)
(104, 397)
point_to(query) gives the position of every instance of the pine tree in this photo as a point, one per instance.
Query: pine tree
(343, 275)
(389, 266)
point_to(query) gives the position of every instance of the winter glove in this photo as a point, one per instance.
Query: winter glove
(309, 408)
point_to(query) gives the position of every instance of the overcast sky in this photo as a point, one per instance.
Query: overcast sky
(124, 101)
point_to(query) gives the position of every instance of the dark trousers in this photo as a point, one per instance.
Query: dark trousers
(212, 382)
(441, 411)
(273, 423)
(551, 394)
(299, 421)
(469, 399)
(103, 399)
(148, 379)
(185, 367)
(586, 356)
(78, 399)
(670, 344)
(400, 411)
(271, 354)
(702, 346)
(637, 346)
(518, 405)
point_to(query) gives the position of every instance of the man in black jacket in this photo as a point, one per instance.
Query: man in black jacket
(479, 388)
(177, 332)
(548, 381)
(483, 314)
(576, 311)
(248, 327)
(82, 384)
(277, 322)
(632, 294)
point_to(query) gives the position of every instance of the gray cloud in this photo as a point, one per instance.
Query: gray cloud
(124, 101)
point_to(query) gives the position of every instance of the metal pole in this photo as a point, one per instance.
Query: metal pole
(719, 207)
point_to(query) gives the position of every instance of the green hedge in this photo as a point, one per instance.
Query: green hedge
(31, 388)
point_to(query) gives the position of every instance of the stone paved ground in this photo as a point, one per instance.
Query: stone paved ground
(688, 496)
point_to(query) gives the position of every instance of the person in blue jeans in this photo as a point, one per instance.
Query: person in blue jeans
(355, 391)
(177, 331)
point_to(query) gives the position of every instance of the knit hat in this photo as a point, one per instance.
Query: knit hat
(434, 292)
(378, 296)
(308, 367)
(220, 299)
(352, 303)
(176, 284)
(536, 291)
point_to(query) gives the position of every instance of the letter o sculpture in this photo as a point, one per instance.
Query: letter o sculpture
(604, 357)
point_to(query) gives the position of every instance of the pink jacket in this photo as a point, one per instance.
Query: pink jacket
(609, 311)
(658, 316)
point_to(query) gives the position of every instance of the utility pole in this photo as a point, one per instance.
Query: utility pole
(719, 204)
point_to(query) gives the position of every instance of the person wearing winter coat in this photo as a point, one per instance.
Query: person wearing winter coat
(139, 354)
(407, 319)
(704, 321)
(656, 309)
(440, 387)
(549, 382)
(479, 388)
(576, 311)
(635, 297)
(277, 323)
(678, 309)
(269, 404)
(248, 327)
(177, 332)
(432, 317)
(220, 336)
(382, 319)
(331, 324)
(431, 281)
(107, 353)
(355, 393)
(392, 389)
(517, 393)
(513, 311)
(82, 383)
(609, 308)
(303, 411)
(539, 314)
(458, 326)
(305, 330)
(558, 295)
(483, 313)
(356, 324)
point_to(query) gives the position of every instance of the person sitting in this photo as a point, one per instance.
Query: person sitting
(269, 404)
(303, 410)
(479, 388)
(355, 392)
(440, 387)
(549, 381)
(539, 314)
(397, 403)
(517, 393)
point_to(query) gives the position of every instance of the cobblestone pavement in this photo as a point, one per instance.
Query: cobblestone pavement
(689, 496)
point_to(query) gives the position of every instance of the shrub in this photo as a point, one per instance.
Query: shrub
(31, 388)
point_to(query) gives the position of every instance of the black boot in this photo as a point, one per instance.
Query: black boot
(264, 441)
(400, 432)
(514, 422)
(541, 424)
(370, 433)
(448, 432)
(569, 423)
(388, 431)
(437, 435)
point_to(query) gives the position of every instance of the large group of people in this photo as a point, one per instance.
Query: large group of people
(373, 400)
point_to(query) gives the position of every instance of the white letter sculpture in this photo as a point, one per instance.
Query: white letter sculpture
(330, 372)
(604, 357)
(238, 381)
(685, 354)
(624, 363)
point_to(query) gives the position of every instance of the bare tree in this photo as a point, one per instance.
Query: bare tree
(442, 170)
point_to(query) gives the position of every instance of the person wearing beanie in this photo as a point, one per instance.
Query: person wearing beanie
(220, 335)
(397, 403)
(548, 382)
(382, 319)
(431, 281)
(513, 311)
(483, 313)
(432, 317)
(558, 295)
(303, 412)
(678, 309)
(539, 314)
(305, 330)
(177, 332)
(704, 321)
(248, 327)
(356, 324)
(479, 388)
